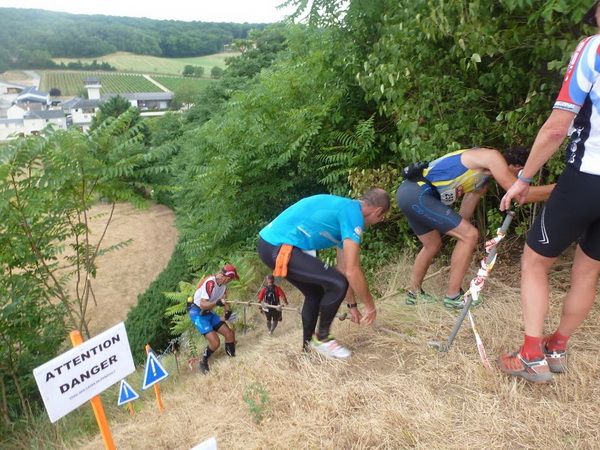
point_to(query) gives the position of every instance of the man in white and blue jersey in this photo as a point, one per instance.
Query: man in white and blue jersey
(572, 213)
(289, 242)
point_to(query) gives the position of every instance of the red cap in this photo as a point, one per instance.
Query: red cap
(230, 271)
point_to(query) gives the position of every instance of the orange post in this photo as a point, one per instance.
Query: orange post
(131, 409)
(156, 388)
(96, 404)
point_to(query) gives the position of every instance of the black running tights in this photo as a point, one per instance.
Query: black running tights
(324, 287)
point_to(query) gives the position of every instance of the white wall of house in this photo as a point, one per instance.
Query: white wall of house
(15, 112)
(35, 125)
(7, 128)
(83, 117)
(28, 127)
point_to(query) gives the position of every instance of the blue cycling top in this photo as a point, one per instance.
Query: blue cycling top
(316, 222)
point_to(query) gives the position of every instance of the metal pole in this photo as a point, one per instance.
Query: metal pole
(469, 298)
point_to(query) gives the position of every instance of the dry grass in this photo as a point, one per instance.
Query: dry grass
(124, 274)
(394, 393)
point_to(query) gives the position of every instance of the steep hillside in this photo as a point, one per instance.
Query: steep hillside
(394, 392)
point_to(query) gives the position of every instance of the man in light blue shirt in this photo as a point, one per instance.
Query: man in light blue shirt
(315, 223)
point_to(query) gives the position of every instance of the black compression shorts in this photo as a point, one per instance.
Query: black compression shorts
(424, 212)
(572, 212)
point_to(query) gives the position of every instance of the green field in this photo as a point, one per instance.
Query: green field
(175, 83)
(128, 62)
(71, 83)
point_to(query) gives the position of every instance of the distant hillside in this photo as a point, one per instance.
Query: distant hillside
(127, 62)
(32, 37)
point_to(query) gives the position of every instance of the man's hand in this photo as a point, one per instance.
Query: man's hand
(369, 317)
(518, 191)
(356, 315)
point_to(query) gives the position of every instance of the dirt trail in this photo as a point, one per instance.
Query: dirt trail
(124, 274)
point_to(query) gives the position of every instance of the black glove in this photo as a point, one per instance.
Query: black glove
(227, 314)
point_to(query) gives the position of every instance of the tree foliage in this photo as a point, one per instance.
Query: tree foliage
(146, 322)
(114, 107)
(367, 86)
(31, 38)
(48, 255)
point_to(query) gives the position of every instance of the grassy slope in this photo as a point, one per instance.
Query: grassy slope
(395, 392)
(128, 62)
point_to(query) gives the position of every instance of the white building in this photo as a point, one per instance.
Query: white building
(27, 111)
(32, 122)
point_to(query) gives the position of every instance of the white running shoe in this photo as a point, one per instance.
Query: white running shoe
(330, 348)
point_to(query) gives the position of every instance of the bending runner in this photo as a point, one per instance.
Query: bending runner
(572, 213)
(425, 200)
(315, 223)
(211, 292)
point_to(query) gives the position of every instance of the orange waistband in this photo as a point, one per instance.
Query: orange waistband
(283, 258)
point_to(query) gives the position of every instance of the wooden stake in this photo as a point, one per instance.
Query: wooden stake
(96, 404)
(156, 389)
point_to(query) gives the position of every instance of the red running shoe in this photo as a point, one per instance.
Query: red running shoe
(536, 371)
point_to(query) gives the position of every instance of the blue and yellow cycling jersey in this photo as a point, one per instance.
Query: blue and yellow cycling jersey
(452, 178)
(316, 222)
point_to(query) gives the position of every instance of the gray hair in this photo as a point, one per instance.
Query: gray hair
(377, 197)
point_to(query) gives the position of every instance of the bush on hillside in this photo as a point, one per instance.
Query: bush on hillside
(146, 322)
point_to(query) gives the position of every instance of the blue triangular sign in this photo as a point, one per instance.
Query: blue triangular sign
(126, 393)
(154, 372)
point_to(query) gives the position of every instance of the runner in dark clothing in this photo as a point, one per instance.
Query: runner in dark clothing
(273, 295)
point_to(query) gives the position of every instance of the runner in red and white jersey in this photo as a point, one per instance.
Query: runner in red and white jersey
(572, 214)
(212, 292)
(580, 95)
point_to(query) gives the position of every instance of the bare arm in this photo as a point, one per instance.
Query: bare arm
(469, 203)
(350, 298)
(492, 161)
(550, 137)
(282, 295)
(205, 304)
(349, 264)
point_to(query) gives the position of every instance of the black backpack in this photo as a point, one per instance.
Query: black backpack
(270, 297)
(189, 303)
(414, 172)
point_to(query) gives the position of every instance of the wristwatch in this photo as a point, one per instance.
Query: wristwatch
(352, 305)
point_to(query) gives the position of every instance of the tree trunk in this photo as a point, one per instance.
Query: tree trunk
(4, 402)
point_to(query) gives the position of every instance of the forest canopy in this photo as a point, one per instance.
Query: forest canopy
(32, 37)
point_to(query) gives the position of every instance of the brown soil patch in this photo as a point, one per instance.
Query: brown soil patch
(124, 274)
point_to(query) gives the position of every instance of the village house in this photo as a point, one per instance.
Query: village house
(26, 111)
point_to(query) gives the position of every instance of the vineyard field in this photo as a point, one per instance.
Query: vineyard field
(71, 83)
(175, 83)
(129, 62)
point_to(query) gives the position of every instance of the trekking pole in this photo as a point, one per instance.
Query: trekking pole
(476, 286)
